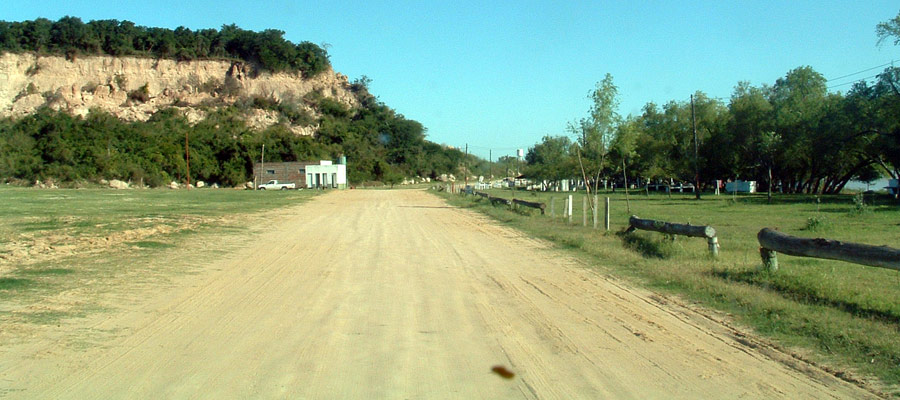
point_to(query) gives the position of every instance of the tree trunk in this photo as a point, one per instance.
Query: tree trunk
(670, 228)
(876, 256)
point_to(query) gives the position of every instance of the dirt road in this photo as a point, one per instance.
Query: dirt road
(393, 294)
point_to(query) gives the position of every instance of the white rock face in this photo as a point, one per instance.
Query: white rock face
(201, 184)
(173, 185)
(28, 82)
(117, 184)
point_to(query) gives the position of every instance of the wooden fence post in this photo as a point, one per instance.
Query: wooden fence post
(569, 209)
(553, 207)
(606, 217)
(596, 211)
(770, 262)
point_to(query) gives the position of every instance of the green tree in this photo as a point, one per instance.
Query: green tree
(889, 29)
(595, 133)
(550, 159)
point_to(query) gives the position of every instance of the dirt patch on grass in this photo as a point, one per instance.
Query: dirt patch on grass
(38, 246)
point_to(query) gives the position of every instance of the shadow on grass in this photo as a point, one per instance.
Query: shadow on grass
(15, 283)
(647, 247)
(802, 292)
(150, 244)
(48, 271)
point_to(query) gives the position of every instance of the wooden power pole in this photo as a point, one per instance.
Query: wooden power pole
(696, 145)
(187, 159)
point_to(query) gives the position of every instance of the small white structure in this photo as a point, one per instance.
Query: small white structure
(326, 175)
(741, 186)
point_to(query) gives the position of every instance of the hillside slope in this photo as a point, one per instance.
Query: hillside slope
(133, 89)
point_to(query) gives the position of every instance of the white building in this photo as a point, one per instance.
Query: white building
(326, 175)
(741, 186)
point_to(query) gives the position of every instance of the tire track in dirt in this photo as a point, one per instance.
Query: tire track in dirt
(392, 294)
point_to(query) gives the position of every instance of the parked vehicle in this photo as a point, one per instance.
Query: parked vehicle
(276, 185)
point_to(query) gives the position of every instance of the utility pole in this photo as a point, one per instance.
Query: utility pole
(262, 163)
(467, 165)
(187, 158)
(696, 145)
(491, 164)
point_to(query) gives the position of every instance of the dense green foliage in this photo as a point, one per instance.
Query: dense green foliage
(71, 37)
(381, 145)
(793, 136)
(811, 141)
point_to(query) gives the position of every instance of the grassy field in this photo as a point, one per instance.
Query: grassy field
(847, 315)
(62, 248)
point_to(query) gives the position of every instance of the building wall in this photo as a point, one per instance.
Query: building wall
(305, 174)
(326, 175)
(282, 171)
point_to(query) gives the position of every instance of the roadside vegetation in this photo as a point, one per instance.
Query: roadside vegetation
(796, 135)
(835, 313)
(380, 144)
(62, 250)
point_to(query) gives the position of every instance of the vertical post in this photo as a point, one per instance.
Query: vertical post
(770, 262)
(467, 165)
(696, 159)
(491, 165)
(187, 158)
(569, 209)
(262, 163)
(584, 207)
(596, 211)
(625, 177)
(713, 246)
(553, 207)
(606, 217)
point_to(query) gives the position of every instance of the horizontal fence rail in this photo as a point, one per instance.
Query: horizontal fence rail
(772, 241)
(532, 204)
(510, 202)
(701, 231)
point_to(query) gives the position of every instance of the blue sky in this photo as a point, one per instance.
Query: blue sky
(503, 74)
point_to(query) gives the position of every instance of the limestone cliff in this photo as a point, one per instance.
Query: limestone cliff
(134, 88)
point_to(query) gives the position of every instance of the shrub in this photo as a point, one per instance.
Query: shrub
(859, 204)
(141, 94)
(817, 223)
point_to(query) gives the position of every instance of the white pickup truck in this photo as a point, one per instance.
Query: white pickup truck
(275, 185)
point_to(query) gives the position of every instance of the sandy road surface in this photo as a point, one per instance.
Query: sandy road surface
(392, 294)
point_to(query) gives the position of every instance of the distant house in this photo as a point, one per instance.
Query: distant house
(305, 174)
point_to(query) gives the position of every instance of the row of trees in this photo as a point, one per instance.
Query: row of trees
(381, 145)
(71, 37)
(793, 135)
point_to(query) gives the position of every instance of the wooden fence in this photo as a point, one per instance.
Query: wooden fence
(701, 231)
(511, 202)
(772, 241)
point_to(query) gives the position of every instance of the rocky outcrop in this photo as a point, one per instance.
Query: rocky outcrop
(133, 88)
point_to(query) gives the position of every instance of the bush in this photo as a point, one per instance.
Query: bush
(817, 223)
(141, 94)
(859, 204)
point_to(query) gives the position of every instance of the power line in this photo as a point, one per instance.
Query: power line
(859, 72)
(852, 82)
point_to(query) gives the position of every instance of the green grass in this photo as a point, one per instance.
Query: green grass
(150, 244)
(14, 284)
(843, 314)
(67, 216)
